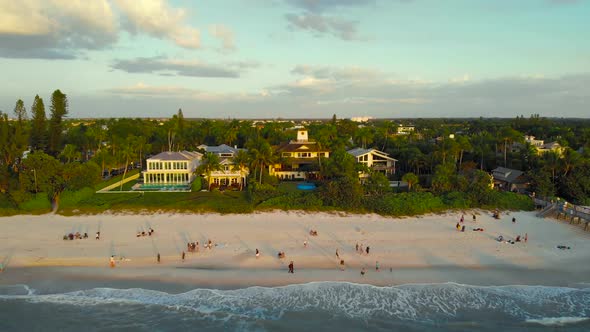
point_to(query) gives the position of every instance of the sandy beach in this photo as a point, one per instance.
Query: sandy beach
(426, 249)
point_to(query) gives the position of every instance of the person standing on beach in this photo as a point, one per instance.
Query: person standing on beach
(305, 244)
(377, 266)
(474, 219)
(183, 256)
(257, 253)
(368, 250)
(98, 235)
(513, 220)
(112, 261)
(337, 254)
(291, 268)
(357, 247)
(158, 258)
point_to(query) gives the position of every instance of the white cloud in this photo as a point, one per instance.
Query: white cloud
(55, 28)
(225, 34)
(156, 18)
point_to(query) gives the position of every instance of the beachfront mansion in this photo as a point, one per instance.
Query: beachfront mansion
(172, 168)
(299, 158)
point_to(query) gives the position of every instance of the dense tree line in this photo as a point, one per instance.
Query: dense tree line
(441, 156)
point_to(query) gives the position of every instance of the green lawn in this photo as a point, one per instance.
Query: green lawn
(228, 202)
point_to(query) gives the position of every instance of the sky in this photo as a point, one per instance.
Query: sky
(299, 58)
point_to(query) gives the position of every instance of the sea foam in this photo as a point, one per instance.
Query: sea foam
(420, 303)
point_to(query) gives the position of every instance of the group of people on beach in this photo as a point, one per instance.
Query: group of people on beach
(75, 236)
(192, 246)
(360, 250)
(143, 233)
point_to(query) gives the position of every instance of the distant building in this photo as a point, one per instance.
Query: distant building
(300, 158)
(229, 175)
(539, 145)
(374, 159)
(507, 179)
(361, 118)
(405, 130)
(169, 168)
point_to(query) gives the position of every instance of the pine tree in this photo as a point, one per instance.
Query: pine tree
(39, 125)
(59, 109)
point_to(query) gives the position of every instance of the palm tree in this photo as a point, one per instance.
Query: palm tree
(509, 135)
(263, 156)
(209, 163)
(240, 160)
(70, 152)
(411, 179)
(551, 160)
(570, 160)
(463, 145)
(126, 152)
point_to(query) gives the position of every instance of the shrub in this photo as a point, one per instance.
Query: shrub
(197, 184)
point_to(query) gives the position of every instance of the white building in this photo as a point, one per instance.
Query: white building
(171, 168)
(374, 159)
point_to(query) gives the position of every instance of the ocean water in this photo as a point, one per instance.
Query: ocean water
(319, 306)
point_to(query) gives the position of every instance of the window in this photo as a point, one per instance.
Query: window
(286, 154)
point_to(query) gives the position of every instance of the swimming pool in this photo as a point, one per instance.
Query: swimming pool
(306, 186)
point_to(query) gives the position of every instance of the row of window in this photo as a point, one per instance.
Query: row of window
(302, 154)
(167, 178)
(157, 165)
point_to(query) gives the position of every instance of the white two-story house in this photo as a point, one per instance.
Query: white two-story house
(171, 168)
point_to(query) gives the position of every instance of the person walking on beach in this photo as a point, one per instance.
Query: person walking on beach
(257, 253)
(462, 219)
(513, 220)
(368, 250)
(98, 235)
(183, 256)
(291, 269)
(337, 254)
(112, 261)
(158, 258)
(474, 217)
(377, 266)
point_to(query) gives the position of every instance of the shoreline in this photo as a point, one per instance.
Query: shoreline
(426, 249)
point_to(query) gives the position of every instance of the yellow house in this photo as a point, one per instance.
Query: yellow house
(228, 176)
(300, 158)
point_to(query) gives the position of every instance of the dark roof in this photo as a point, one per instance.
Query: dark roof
(507, 174)
(174, 156)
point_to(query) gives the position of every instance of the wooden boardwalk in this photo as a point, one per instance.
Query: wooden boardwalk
(574, 214)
